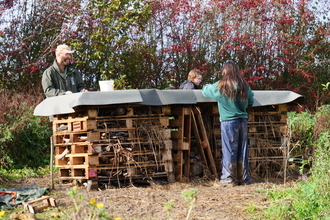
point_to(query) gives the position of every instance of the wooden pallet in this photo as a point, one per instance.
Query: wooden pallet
(202, 140)
(181, 135)
(34, 206)
(93, 143)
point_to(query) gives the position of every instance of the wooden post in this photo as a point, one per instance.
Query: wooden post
(51, 162)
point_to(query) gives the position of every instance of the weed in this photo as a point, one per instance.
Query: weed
(302, 127)
(168, 206)
(308, 199)
(190, 197)
(11, 175)
(251, 209)
(90, 211)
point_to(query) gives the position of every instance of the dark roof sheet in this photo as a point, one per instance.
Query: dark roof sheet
(65, 104)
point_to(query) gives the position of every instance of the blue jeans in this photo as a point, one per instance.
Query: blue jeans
(234, 139)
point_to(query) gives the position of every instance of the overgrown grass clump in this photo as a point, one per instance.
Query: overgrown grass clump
(302, 132)
(309, 199)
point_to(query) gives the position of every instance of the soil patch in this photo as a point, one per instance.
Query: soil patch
(141, 201)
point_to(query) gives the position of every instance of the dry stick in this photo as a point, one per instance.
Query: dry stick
(286, 155)
(190, 208)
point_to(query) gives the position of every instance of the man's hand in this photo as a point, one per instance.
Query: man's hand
(84, 90)
(67, 93)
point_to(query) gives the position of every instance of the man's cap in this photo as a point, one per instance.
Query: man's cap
(64, 48)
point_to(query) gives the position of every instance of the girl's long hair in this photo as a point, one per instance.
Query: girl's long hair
(232, 82)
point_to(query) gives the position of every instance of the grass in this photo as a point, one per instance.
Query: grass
(12, 175)
(309, 199)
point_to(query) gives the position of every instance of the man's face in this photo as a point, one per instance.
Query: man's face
(197, 80)
(65, 58)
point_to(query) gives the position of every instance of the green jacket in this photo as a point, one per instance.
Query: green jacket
(54, 82)
(228, 109)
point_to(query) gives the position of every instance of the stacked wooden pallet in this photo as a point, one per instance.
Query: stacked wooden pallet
(120, 142)
(113, 143)
(180, 125)
(187, 126)
(267, 135)
(267, 139)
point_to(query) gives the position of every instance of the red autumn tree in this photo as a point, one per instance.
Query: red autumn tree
(278, 44)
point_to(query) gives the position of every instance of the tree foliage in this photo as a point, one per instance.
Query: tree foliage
(278, 44)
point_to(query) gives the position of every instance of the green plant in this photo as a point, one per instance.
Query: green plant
(302, 166)
(251, 209)
(322, 120)
(168, 206)
(309, 199)
(190, 196)
(24, 140)
(326, 87)
(121, 83)
(10, 175)
(302, 130)
(90, 211)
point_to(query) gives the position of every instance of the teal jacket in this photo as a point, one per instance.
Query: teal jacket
(228, 109)
(54, 82)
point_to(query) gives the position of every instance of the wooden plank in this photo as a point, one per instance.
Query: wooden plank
(177, 134)
(92, 113)
(166, 110)
(46, 200)
(186, 143)
(175, 123)
(282, 108)
(59, 162)
(79, 173)
(205, 142)
(78, 155)
(185, 146)
(77, 160)
(92, 160)
(183, 135)
(177, 144)
(73, 178)
(168, 161)
(176, 111)
(77, 149)
(178, 166)
(198, 139)
(215, 110)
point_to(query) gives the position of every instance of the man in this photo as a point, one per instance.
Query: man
(193, 81)
(62, 78)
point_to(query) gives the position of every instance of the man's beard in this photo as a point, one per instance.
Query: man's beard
(66, 62)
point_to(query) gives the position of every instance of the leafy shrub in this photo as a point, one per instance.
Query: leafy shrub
(24, 138)
(322, 120)
(309, 199)
(302, 130)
